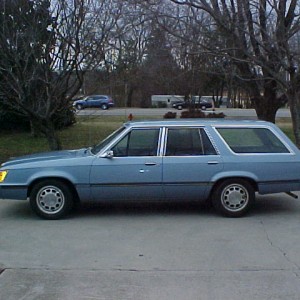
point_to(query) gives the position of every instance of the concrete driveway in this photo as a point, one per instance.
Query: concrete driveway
(159, 251)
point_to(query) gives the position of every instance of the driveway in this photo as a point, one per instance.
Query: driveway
(156, 251)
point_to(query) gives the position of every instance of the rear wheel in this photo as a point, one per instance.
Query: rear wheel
(233, 197)
(51, 199)
(104, 106)
(179, 107)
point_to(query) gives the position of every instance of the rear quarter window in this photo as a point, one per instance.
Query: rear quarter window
(252, 140)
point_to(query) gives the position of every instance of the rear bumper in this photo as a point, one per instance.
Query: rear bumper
(278, 186)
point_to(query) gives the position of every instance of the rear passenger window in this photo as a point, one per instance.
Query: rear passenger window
(188, 142)
(252, 140)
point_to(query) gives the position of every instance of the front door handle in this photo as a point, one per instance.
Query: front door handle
(150, 164)
(212, 162)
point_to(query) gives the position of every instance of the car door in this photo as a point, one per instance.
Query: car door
(101, 100)
(93, 101)
(135, 170)
(88, 102)
(97, 101)
(190, 161)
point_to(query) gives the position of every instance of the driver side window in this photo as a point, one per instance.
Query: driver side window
(138, 142)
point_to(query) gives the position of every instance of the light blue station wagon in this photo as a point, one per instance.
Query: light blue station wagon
(221, 161)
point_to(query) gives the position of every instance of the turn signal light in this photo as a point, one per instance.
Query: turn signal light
(3, 175)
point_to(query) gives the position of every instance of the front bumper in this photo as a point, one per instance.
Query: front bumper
(13, 192)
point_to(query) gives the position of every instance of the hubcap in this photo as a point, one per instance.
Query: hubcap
(235, 197)
(50, 199)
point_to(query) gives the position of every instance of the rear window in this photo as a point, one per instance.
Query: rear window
(252, 140)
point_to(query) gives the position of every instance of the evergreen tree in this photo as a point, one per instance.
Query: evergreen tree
(159, 68)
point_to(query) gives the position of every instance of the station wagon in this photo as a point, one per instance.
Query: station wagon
(222, 161)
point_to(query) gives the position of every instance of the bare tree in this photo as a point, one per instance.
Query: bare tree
(259, 36)
(45, 50)
(132, 34)
(192, 37)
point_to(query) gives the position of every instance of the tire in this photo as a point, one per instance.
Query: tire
(179, 107)
(104, 106)
(79, 106)
(233, 197)
(51, 199)
(203, 107)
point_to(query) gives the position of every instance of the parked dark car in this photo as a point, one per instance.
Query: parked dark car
(222, 161)
(98, 101)
(202, 104)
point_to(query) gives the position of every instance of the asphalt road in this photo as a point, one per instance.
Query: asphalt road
(152, 252)
(229, 112)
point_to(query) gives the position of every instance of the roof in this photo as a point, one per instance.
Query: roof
(195, 122)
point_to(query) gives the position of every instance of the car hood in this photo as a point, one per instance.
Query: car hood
(46, 156)
(78, 101)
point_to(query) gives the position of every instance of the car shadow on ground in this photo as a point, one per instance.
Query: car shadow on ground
(265, 205)
(142, 209)
(275, 204)
(16, 209)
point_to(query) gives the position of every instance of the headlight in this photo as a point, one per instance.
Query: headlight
(3, 175)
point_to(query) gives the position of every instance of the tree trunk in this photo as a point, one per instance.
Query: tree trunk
(267, 106)
(265, 109)
(129, 96)
(294, 101)
(33, 130)
(295, 114)
(47, 129)
(52, 137)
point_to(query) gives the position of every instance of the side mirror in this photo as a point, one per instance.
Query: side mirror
(108, 154)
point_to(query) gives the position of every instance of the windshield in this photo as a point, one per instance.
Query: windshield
(106, 141)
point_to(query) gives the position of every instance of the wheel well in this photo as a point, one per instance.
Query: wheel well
(65, 181)
(249, 180)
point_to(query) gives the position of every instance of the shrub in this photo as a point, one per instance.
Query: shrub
(64, 118)
(200, 114)
(192, 114)
(170, 115)
(215, 115)
(10, 120)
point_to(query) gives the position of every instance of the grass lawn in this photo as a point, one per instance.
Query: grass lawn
(86, 132)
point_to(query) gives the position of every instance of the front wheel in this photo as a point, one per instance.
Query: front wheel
(233, 197)
(51, 199)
